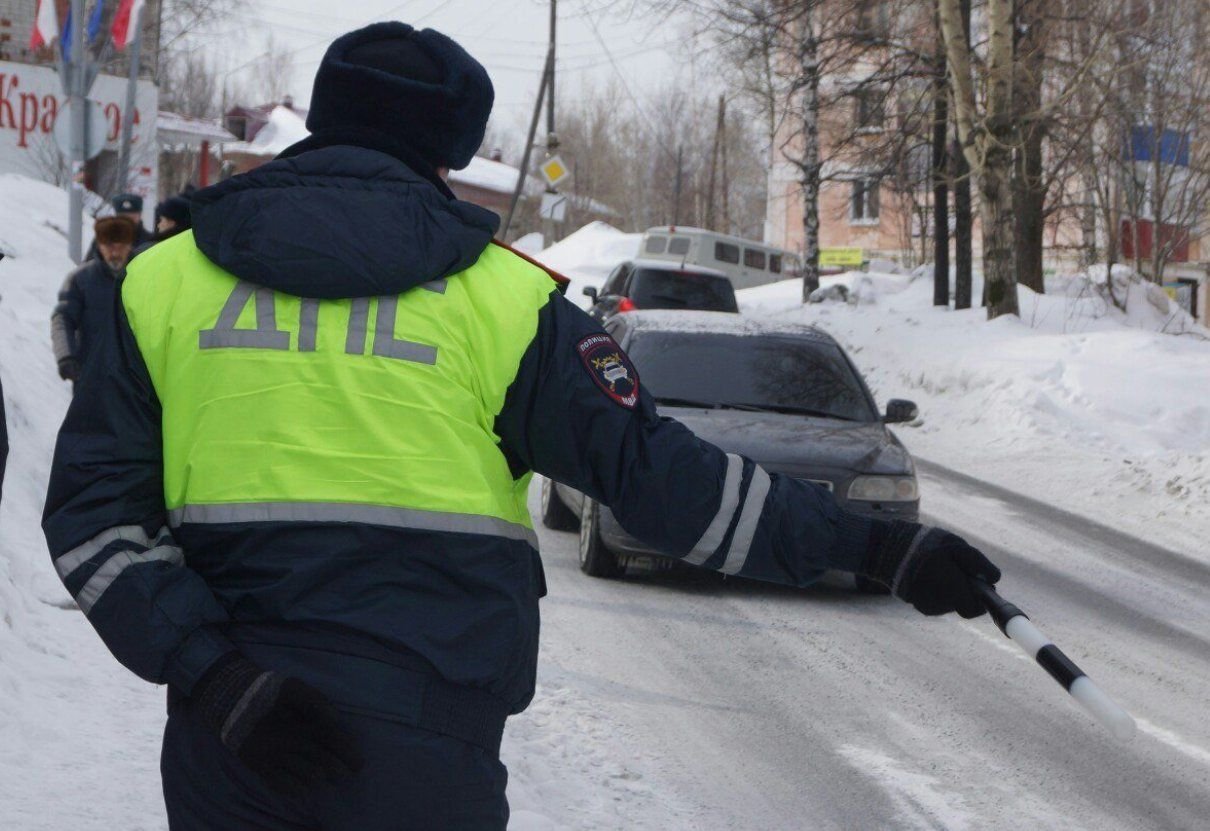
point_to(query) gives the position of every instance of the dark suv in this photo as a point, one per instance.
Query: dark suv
(653, 284)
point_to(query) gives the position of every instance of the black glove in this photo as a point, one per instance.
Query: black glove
(928, 567)
(69, 369)
(283, 729)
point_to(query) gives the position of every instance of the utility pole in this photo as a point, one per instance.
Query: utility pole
(529, 145)
(718, 130)
(722, 144)
(77, 92)
(552, 139)
(131, 92)
(676, 200)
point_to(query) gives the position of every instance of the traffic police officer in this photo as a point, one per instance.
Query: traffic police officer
(296, 490)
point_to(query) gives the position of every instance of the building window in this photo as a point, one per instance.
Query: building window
(863, 203)
(754, 259)
(870, 106)
(873, 19)
(725, 252)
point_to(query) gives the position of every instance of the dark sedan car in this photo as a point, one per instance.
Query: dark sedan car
(783, 394)
(658, 284)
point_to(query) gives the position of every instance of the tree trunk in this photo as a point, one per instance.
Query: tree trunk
(1029, 201)
(964, 228)
(808, 67)
(964, 219)
(1029, 187)
(941, 208)
(988, 141)
(996, 211)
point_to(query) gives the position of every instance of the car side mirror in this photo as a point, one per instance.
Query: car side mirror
(899, 410)
(590, 291)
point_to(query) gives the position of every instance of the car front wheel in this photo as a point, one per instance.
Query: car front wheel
(595, 559)
(555, 515)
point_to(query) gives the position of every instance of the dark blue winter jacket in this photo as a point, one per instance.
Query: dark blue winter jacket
(171, 593)
(85, 310)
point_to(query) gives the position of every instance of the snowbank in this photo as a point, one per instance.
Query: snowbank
(1077, 403)
(587, 256)
(68, 711)
(495, 176)
(284, 128)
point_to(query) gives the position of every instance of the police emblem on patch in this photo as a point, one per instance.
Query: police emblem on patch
(610, 369)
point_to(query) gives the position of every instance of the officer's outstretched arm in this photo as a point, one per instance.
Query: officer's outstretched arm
(572, 416)
(106, 525)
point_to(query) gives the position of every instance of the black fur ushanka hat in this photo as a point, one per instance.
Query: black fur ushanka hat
(418, 87)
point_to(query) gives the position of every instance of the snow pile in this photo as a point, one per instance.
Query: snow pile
(1089, 408)
(494, 176)
(531, 244)
(284, 128)
(1118, 296)
(587, 256)
(69, 712)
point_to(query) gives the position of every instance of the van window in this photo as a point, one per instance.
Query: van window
(679, 245)
(656, 245)
(754, 259)
(775, 263)
(725, 252)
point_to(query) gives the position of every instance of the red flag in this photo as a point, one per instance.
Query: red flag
(125, 21)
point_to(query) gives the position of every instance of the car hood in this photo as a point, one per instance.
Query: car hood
(781, 441)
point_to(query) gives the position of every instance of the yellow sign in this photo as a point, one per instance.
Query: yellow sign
(554, 171)
(841, 256)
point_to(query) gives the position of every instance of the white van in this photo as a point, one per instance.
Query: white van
(746, 263)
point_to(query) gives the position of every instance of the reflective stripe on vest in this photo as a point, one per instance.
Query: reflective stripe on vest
(347, 512)
(377, 410)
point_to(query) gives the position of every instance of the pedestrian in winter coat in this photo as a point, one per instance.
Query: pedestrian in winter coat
(297, 495)
(130, 206)
(171, 217)
(86, 300)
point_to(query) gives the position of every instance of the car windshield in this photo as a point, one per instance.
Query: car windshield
(653, 288)
(778, 373)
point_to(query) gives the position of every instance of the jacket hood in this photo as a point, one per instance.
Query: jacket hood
(339, 221)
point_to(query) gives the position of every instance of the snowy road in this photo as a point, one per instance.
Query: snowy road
(718, 705)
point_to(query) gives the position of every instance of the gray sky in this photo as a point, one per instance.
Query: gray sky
(597, 41)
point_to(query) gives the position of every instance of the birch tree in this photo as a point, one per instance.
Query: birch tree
(986, 137)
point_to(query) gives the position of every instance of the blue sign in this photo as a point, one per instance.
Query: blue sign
(1168, 146)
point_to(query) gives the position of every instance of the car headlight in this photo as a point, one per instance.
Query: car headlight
(884, 489)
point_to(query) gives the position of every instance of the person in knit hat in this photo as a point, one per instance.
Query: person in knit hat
(172, 217)
(299, 498)
(85, 309)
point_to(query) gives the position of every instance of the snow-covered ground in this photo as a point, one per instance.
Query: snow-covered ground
(1091, 410)
(1075, 403)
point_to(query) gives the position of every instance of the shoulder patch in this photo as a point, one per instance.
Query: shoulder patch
(610, 368)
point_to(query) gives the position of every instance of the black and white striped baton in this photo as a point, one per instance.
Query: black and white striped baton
(1014, 623)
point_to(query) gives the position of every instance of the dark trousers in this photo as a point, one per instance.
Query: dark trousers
(413, 780)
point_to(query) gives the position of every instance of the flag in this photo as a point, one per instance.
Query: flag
(46, 25)
(125, 22)
(94, 21)
(65, 38)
